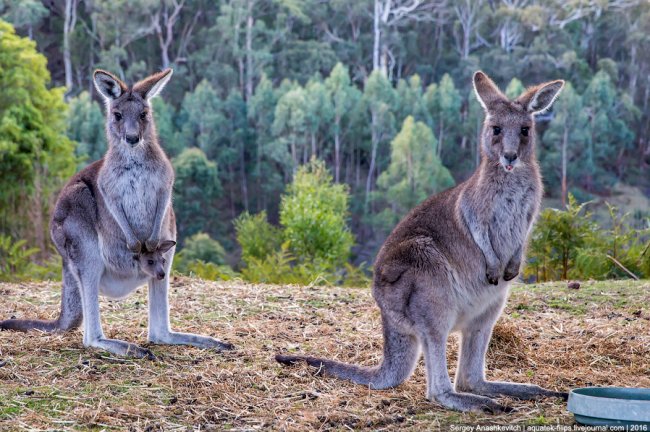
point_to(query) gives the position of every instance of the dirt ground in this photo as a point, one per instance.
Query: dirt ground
(549, 335)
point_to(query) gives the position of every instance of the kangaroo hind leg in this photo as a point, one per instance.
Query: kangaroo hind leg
(69, 318)
(470, 376)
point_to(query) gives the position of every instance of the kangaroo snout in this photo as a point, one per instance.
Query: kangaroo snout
(160, 275)
(132, 139)
(510, 156)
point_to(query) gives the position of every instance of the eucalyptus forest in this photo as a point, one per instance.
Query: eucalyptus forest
(301, 131)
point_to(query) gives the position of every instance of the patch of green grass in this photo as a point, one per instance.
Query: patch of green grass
(625, 295)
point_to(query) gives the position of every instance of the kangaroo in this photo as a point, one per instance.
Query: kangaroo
(152, 263)
(446, 266)
(109, 211)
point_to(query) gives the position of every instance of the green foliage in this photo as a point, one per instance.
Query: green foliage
(86, 128)
(203, 257)
(556, 240)
(35, 154)
(196, 190)
(314, 214)
(295, 79)
(207, 270)
(570, 245)
(16, 262)
(201, 119)
(316, 242)
(256, 236)
(414, 173)
(201, 247)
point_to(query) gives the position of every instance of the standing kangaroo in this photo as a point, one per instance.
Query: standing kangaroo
(446, 265)
(106, 213)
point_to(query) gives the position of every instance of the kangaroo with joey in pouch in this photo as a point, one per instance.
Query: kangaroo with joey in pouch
(446, 266)
(115, 208)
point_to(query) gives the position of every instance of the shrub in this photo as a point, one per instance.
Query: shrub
(313, 213)
(16, 262)
(568, 244)
(203, 257)
(257, 237)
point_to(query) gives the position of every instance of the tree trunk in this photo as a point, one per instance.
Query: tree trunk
(565, 139)
(373, 159)
(250, 75)
(244, 182)
(69, 21)
(377, 37)
(440, 137)
(337, 150)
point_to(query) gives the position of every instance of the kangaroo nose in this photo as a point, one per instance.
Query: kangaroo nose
(510, 156)
(132, 139)
(161, 275)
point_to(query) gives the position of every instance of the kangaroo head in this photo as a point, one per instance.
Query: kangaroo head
(128, 111)
(152, 263)
(508, 136)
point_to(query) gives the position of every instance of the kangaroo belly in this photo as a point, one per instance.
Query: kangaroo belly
(118, 286)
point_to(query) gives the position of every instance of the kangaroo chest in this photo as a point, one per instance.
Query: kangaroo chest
(134, 187)
(513, 212)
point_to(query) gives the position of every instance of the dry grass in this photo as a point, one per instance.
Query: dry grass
(549, 335)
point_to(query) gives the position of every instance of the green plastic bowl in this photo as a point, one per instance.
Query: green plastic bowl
(610, 406)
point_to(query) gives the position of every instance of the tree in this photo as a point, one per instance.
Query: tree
(415, 170)
(23, 14)
(444, 104)
(290, 124)
(393, 13)
(344, 96)
(202, 119)
(36, 156)
(314, 214)
(379, 97)
(270, 158)
(318, 114)
(607, 113)
(86, 126)
(565, 139)
(196, 190)
(168, 135)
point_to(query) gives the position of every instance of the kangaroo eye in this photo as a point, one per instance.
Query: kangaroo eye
(117, 116)
(524, 131)
(150, 262)
(143, 115)
(496, 129)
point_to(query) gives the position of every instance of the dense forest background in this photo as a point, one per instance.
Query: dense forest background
(379, 90)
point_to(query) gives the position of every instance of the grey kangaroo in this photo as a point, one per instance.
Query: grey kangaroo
(106, 213)
(446, 265)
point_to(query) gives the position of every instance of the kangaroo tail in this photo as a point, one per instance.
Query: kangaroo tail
(401, 352)
(28, 324)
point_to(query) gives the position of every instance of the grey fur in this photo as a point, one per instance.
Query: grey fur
(446, 265)
(107, 213)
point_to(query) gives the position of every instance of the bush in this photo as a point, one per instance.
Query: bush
(257, 237)
(203, 257)
(16, 262)
(313, 213)
(569, 245)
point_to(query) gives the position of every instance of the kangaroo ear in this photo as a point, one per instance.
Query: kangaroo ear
(153, 84)
(108, 85)
(486, 91)
(539, 98)
(166, 245)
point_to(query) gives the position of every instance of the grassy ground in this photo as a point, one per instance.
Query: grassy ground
(549, 335)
